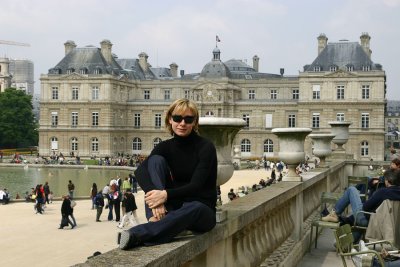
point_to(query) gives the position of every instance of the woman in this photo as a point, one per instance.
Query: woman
(179, 179)
(93, 193)
(66, 211)
(130, 207)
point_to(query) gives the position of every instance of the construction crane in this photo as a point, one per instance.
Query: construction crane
(13, 43)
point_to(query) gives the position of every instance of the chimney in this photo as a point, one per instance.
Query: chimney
(106, 50)
(282, 71)
(364, 39)
(143, 61)
(322, 42)
(174, 69)
(182, 72)
(256, 60)
(69, 46)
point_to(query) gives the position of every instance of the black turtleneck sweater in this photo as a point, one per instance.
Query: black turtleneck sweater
(193, 164)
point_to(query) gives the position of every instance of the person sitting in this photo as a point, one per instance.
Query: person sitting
(4, 196)
(231, 195)
(352, 196)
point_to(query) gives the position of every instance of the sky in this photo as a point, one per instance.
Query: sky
(282, 33)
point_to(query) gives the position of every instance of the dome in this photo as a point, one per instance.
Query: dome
(215, 69)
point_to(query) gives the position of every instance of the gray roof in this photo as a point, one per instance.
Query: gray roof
(89, 58)
(341, 55)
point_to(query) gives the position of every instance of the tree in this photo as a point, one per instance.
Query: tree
(17, 124)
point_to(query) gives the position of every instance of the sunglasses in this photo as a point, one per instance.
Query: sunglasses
(179, 118)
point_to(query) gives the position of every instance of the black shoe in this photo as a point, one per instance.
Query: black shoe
(127, 240)
(73, 226)
(60, 227)
(98, 221)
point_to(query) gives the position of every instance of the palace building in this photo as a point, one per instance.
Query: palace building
(96, 104)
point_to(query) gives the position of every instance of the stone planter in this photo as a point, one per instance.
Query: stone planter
(221, 131)
(341, 131)
(322, 147)
(291, 149)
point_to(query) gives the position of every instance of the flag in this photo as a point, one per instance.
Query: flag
(217, 39)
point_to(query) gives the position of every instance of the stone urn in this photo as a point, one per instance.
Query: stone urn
(341, 131)
(291, 149)
(322, 146)
(221, 131)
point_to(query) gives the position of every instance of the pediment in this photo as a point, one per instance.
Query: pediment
(340, 74)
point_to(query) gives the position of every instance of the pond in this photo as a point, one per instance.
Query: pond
(21, 179)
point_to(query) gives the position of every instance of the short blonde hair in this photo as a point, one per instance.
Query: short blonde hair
(179, 106)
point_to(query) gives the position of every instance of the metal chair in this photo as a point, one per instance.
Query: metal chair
(327, 198)
(344, 244)
(359, 180)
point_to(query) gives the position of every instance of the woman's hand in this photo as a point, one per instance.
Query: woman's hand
(158, 213)
(154, 198)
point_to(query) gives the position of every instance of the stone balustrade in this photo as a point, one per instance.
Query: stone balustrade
(269, 227)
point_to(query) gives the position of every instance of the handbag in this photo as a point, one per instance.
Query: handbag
(73, 203)
(64, 221)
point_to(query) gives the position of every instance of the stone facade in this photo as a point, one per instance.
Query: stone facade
(92, 104)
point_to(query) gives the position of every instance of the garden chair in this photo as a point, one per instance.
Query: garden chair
(344, 244)
(327, 198)
(355, 180)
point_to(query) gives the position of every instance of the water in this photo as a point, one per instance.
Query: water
(20, 179)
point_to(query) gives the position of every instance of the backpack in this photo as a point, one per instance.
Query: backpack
(99, 200)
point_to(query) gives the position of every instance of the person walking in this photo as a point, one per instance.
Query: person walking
(39, 198)
(179, 180)
(66, 210)
(130, 210)
(71, 189)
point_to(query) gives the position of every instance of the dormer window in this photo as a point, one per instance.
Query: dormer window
(317, 68)
(97, 70)
(70, 70)
(350, 68)
(83, 71)
(333, 68)
(366, 68)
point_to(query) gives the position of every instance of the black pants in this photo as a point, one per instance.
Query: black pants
(194, 215)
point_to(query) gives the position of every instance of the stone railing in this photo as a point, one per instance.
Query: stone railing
(269, 227)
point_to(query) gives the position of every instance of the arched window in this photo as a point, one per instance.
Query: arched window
(268, 146)
(364, 148)
(136, 144)
(245, 145)
(209, 114)
(74, 144)
(156, 141)
(95, 144)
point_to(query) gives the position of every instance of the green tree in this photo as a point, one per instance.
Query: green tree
(17, 124)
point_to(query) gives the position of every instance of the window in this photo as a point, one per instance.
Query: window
(156, 141)
(317, 68)
(245, 145)
(95, 93)
(146, 94)
(83, 71)
(187, 93)
(54, 143)
(75, 93)
(252, 94)
(340, 117)
(209, 114)
(315, 120)
(74, 144)
(246, 118)
(340, 92)
(97, 71)
(274, 94)
(157, 120)
(292, 120)
(364, 148)
(316, 91)
(167, 94)
(95, 119)
(365, 92)
(349, 67)
(95, 144)
(268, 146)
(365, 120)
(136, 144)
(74, 119)
(54, 93)
(54, 119)
(136, 122)
(333, 68)
(295, 94)
(366, 68)
(268, 120)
